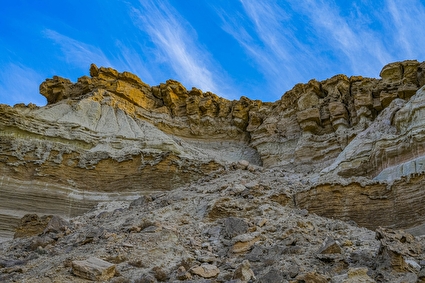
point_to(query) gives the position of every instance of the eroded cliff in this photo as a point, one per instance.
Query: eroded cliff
(112, 137)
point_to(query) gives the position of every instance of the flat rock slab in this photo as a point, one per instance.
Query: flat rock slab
(206, 270)
(93, 269)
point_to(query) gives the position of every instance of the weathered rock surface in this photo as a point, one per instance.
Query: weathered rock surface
(93, 269)
(167, 184)
(170, 237)
(112, 137)
(31, 225)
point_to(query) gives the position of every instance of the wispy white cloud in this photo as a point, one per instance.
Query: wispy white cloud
(76, 52)
(263, 29)
(127, 59)
(19, 84)
(362, 46)
(408, 20)
(177, 42)
(296, 40)
(123, 58)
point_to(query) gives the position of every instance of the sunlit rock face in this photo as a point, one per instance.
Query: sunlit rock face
(314, 122)
(110, 136)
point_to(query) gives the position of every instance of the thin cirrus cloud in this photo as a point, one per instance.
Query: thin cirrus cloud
(354, 41)
(378, 32)
(264, 31)
(176, 41)
(76, 52)
(19, 82)
(82, 54)
(129, 59)
(289, 42)
(295, 40)
(408, 20)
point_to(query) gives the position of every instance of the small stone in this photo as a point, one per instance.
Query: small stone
(241, 247)
(329, 246)
(242, 164)
(293, 270)
(237, 189)
(233, 227)
(206, 259)
(262, 222)
(182, 274)
(253, 168)
(140, 202)
(395, 246)
(160, 274)
(306, 225)
(312, 277)
(146, 278)
(358, 275)
(273, 276)
(56, 224)
(413, 264)
(246, 237)
(41, 241)
(244, 272)
(93, 269)
(135, 229)
(137, 263)
(205, 270)
(152, 229)
(251, 185)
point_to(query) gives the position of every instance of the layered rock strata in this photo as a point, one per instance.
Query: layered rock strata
(112, 137)
(388, 157)
(374, 204)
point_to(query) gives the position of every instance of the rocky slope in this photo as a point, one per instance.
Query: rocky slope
(224, 187)
(237, 226)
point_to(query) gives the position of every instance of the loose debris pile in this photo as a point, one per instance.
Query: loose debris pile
(237, 227)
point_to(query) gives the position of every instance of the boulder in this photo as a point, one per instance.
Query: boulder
(93, 269)
(244, 272)
(205, 270)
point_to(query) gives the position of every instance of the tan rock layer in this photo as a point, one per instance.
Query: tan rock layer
(19, 197)
(143, 172)
(399, 205)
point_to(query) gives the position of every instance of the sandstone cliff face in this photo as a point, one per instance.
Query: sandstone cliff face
(313, 121)
(112, 137)
(191, 186)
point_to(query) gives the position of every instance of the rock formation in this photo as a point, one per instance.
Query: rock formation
(227, 187)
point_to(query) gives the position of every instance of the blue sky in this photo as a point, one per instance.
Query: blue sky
(258, 49)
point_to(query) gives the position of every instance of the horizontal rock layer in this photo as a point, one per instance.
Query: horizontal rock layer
(110, 133)
(20, 197)
(399, 205)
